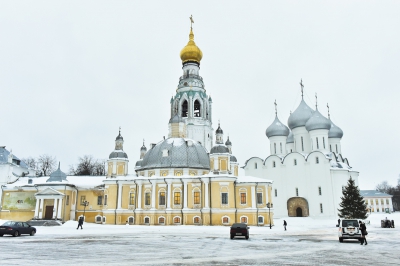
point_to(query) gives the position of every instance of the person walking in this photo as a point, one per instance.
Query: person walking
(364, 232)
(80, 223)
(338, 222)
(284, 224)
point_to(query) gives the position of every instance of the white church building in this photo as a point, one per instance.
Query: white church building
(305, 163)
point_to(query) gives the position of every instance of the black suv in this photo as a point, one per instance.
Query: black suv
(240, 229)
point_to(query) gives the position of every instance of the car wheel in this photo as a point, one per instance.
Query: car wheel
(231, 236)
(247, 237)
(33, 232)
(341, 239)
(16, 233)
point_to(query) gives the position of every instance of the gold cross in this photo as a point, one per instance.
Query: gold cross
(191, 21)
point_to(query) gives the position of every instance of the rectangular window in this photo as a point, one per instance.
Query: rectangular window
(99, 200)
(67, 200)
(255, 166)
(376, 202)
(273, 164)
(131, 198)
(161, 200)
(177, 198)
(274, 148)
(105, 199)
(196, 197)
(276, 193)
(320, 207)
(336, 149)
(316, 160)
(260, 219)
(319, 191)
(147, 198)
(259, 198)
(381, 201)
(387, 201)
(302, 144)
(317, 143)
(323, 141)
(242, 198)
(83, 199)
(295, 162)
(224, 198)
(330, 148)
(297, 192)
(281, 147)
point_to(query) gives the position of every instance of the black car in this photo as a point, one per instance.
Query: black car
(17, 229)
(240, 229)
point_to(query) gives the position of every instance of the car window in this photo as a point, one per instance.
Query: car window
(347, 223)
(19, 224)
(9, 223)
(25, 224)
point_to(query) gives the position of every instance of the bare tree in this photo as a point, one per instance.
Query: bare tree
(394, 191)
(383, 187)
(46, 164)
(88, 166)
(31, 162)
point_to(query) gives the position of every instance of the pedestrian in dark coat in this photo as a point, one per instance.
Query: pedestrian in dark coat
(80, 223)
(338, 222)
(363, 229)
(284, 224)
(392, 223)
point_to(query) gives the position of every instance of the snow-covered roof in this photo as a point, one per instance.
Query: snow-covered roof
(252, 179)
(373, 193)
(79, 181)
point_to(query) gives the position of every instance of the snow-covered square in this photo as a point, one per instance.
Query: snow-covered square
(307, 241)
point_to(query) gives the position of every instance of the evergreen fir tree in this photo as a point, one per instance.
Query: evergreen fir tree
(353, 205)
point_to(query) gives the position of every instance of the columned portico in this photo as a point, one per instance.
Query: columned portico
(56, 209)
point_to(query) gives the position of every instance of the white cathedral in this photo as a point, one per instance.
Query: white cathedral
(305, 163)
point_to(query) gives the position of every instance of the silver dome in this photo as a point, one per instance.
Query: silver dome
(233, 159)
(290, 138)
(219, 149)
(277, 129)
(176, 153)
(219, 130)
(118, 154)
(300, 116)
(335, 131)
(318, 121)
(228, 142)
(57, 176)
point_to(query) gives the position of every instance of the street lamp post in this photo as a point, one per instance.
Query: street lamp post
(85, 203)
(269, 214)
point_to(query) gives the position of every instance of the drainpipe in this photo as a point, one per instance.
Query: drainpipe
(136, 194)
(201, 200)
(257, 203)
(209, 182)
(234, 195)
(116, 204)
(182, 197)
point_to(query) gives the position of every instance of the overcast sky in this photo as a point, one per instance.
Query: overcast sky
(72, 72)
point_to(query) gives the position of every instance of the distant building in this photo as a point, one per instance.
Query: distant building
(377, 201)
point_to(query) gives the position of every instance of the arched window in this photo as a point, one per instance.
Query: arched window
(323, 141)
(196, 220)
(131, 220)
(302, 144)
(177, 220)
(184, 109)
(281, 146)
(146, 220)
(197, 109)
(330, 148)
(161, 220)
(225, 220)
(336, 149)
(317, 143)
(274, 148)
(255, 165)
(243, 219)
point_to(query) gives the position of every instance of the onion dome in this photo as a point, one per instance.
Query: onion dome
(143, 148)
(335, 131)
(228, 142)
(219, 149)
(57, 175)
(318, 121)
(290, 138)
(191, 53)
(219, 130)
(176, 153)
(233, 159)
(118, 154)
(300, 116)
(277, 129)
(119, 137)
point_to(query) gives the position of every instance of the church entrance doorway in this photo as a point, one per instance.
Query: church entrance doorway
(299, 212)
(297, 207)
(49, 213)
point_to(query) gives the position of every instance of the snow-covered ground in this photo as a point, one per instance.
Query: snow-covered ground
(306, 242)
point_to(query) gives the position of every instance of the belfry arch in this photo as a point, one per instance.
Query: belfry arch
(297, 207)
(197, 108)
(184, 109)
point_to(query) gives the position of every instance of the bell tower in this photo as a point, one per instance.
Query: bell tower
(191, 104)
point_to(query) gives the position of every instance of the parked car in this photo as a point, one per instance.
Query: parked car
(17, 228)
(349, 229)
(240, 229)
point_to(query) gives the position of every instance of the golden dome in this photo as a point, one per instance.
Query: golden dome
(191, 52)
